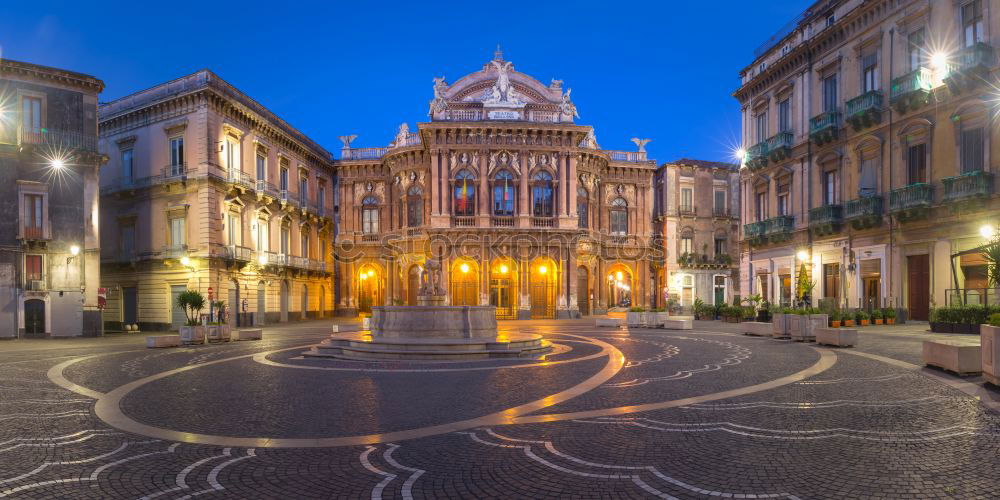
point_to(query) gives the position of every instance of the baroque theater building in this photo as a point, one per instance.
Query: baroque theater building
(519, 202)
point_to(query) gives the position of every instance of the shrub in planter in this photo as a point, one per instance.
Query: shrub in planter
(890, 315)
(835, 319)
(635, 316)
(877, 316)
(861, 317)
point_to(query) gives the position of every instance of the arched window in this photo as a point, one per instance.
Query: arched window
(503, 194)
(369, 215)
(619, 217)
(582, 208)
(465, 194)
(542, 195)
(414, 206)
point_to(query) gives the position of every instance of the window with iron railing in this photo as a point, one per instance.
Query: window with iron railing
(176, 151)
(972, 23)
(916, 162)
(973, 153)
(619, 217)
(33, 218)
(33, 268)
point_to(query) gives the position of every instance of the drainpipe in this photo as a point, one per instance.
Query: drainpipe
(892, 58)
(807, 186)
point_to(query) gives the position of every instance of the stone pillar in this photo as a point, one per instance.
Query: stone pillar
(571, 186)
(524, 301)
(483, 196)
(600, 285)
(484, 276)
(572, 303)
(523, 197)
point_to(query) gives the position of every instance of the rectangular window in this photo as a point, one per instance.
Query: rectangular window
(235, 230)
(687, 244)
(261, 167)
(915, 43)
(720, 246)
(785, 116)
(283, 179)
(303, 189)
(263, 236)
(972, 150)
(33, 268)
(126, 240)
(917, 163)
(619, 222)
(369, 220)
(176, 151)
(304, 244)
(720, 203)
(322, 250)
(830, 94)
(686, 200)
(784, 199)
(34, 216)
(869, 72)
(285, 240)
(760, 205)
(127, 170)
(762, 127)
(232, 154)
(972, 22)
(178, 232)
(831, 281)
(31, 114)
(830, 187)
(321, 195)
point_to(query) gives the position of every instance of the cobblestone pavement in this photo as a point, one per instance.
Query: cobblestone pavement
(722, 415)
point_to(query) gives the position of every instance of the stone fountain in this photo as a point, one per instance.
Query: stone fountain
(431, 331)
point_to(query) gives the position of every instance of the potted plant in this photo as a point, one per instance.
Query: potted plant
(847, 319)
(191, 302)
(698, 309)
(835, 318)
(655, 318)
(890, 315)
(861, 317)
(989, 339)
(635, 317)
(877, 316)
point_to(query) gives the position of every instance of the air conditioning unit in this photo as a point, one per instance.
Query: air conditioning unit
(36, 285)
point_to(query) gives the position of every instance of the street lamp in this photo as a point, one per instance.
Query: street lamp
(464, 268)
(987, 231)
(57, 164)
(803, 255)
(185, 261)
(74, 250)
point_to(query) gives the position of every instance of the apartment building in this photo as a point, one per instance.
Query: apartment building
(696, 215)
(868, 128)
(49, 162)
(207, 189)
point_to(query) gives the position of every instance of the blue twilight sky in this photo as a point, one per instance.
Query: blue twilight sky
(664, 70)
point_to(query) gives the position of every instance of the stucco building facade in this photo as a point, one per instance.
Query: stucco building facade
(869, 129)
(49, 231)
(520, 203)
(206, 189)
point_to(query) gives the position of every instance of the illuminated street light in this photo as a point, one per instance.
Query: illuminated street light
(619, 275)
(939, 61)
(740, 154)
(185, 261)
(57, 164)
(464, 268)
(542, 269)
(503, 269)
(987, 231)
(262, 259)
(371, 272)
(74, 250)
(802, 255)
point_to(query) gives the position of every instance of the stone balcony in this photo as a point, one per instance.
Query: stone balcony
(826, 220)
(911, 202)
(779, 146)
(823, 127)
(864, 111)
(864, 212)
(969, 67)
(756, 157)
(240, 180)
(912, 90)
(967, 190)
(773, 230)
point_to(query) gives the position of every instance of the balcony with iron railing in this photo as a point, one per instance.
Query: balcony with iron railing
(779, 227)
(779, 146)
(912, 90)
(976, 185)
(239, 253)
(618, 239)
(864, 110)
(59, 141)
(174, 251)
(686, 210)
(864, 212)
(298, 262)
(911, 202)
(826, 219)
(265, 188)
(174, 173)
(275, 259)
(720, 212)
(286, 197)
(968, 69)
(824, 126)
(240, 179)
(756, 156)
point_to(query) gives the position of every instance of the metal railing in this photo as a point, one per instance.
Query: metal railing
(174, 173)
(275, 259)
(240, 178)
(863, 103)
(780, 142)
(237, 252)
(979, 55)
(174, 251)
(503, 221)
(756, 156)
(827, 214)
(971, 297)
(912, 196)
(968, 185)
(720, 212)
(824, 121)
(267, 188)
(369, 238)
(866, 206)
(287, 197)
(685, 210)
(778, 225)
(298, 262)
(463, 221)
(753, 230)
(920, 79)
(58, 139)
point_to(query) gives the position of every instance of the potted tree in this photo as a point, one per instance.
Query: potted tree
(890, 315)
(861, 317)
(191, 302)
(847, 318)
(877, 316)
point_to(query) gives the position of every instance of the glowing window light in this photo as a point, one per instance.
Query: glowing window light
(464, 268)
(371, 272)
(185, 261)
(619, 276)
(542, 269)
(503, 269)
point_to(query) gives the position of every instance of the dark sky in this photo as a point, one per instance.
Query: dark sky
(664, 70)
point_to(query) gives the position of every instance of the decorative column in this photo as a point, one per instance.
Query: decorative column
(523, 210)
(524, 302)
(572, 303)
(483, 197)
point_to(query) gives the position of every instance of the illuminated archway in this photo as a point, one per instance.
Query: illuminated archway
(542, 283)
(464, 282)
(412, 284)
(503, 287)
(620, 285)
(370, 287)
(583, 290)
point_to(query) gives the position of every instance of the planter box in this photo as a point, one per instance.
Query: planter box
(779, 326)
(848, 323)
(961, 357)
(678, 324)
(158, 341)
(249, 334)
(989, 339)
(814, 321)
(655, 319)
(756, 328)
(635, 319)
(220, 333)
(840, 337)
(796, 325)
(345, 328)
(608, 322)
(192, 334)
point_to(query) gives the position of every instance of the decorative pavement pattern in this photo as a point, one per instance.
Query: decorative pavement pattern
(611, 413)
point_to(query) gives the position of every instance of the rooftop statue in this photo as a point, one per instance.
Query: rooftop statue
(438, 104)
(567, 107)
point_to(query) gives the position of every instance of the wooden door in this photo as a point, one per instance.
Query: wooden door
(130, 305)
(918, 274)
(583, 291)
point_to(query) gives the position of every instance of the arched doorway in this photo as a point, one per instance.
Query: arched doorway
(503, 285)
(305, 302)
(284, 302)
(369, 288)
(583, 290)
(464, 282)
(34, 316)
(620, 284)
(542, 279)
(412, 284)
(261, 303)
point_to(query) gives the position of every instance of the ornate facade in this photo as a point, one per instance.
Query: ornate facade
(520, 203)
